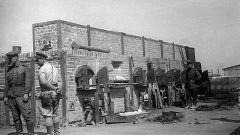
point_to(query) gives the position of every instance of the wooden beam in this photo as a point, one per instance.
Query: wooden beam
(111, 108)
(6, 106)
(143, 45)
(34, 45)
(89, 35)
(131, 81)
(161, 46)
(173, 46)
(74, 45)
(126, 102)
(122, 43)
(63, 68)
(33, 100)
(59, 34)
(187, 53)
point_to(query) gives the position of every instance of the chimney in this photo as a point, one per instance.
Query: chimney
(17, 49)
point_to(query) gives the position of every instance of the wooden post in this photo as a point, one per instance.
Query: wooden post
(130, 81)
(96, 96)
(6, 106)
(122, 43)
(111, 108)
(173, 51)
(187, 53)
(126, 101)
(150, 96)
(161, 45)
(143, 45)
(89, 35)
(33, 100)
(64, 91)
(102, 78)
(59, 34)
(33, 33)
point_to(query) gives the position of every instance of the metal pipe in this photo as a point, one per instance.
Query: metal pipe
(74, 45)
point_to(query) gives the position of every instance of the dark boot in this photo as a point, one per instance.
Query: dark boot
(49, 130)
(30, 128)
(56, 128)
(18, 127)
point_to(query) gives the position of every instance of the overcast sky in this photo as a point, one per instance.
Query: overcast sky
(212, 27)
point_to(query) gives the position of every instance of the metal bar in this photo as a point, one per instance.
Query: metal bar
(74, 45)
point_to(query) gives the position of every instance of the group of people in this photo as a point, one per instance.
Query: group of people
(18, 88)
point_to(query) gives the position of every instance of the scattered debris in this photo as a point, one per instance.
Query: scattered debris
(78, 124)
(167, 117)
(198, 123)
(213, 107)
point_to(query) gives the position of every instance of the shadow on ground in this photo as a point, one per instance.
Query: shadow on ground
(38, 133)
(236, 131)
(226, 120)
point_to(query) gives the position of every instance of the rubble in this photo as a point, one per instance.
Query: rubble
(213, 108)
(164, 117)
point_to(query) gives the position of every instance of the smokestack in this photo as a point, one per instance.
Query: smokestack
(17, 49)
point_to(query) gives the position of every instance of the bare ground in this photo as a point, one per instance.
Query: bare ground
(225, 122)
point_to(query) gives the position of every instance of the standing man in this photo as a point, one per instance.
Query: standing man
(192, 75)
(51, 85)
(17, 89)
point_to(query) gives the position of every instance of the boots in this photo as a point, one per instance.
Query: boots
(56, 128)
(18, 127)
(49, 130)
(30, 128)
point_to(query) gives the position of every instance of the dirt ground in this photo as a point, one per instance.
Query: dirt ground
(226, 122)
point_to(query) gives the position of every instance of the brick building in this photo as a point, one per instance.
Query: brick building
(80, 67)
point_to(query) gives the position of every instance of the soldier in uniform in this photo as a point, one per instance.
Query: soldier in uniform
(51, 85)
(17, 89)
(192, 75)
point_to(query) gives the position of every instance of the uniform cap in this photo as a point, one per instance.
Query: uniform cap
(11, 54)
(189, 61)
(41, 55)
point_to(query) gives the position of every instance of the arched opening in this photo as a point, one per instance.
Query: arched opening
(84, 77)
(85, 88)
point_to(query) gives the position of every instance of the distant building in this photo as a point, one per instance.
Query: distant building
(232, 70)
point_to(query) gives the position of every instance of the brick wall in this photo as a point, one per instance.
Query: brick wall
(167, 50)
(133, 45)
(70, 33)
(153, 48)
(107, 40)
(62, 34)
(45, 34)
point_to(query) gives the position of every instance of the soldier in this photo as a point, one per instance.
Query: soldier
(51, 85)
(17, 89)
(192, 75)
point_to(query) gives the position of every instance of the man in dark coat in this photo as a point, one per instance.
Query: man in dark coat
(192, 75)
(17, 89)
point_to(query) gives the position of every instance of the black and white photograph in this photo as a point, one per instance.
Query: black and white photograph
(120, 67)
